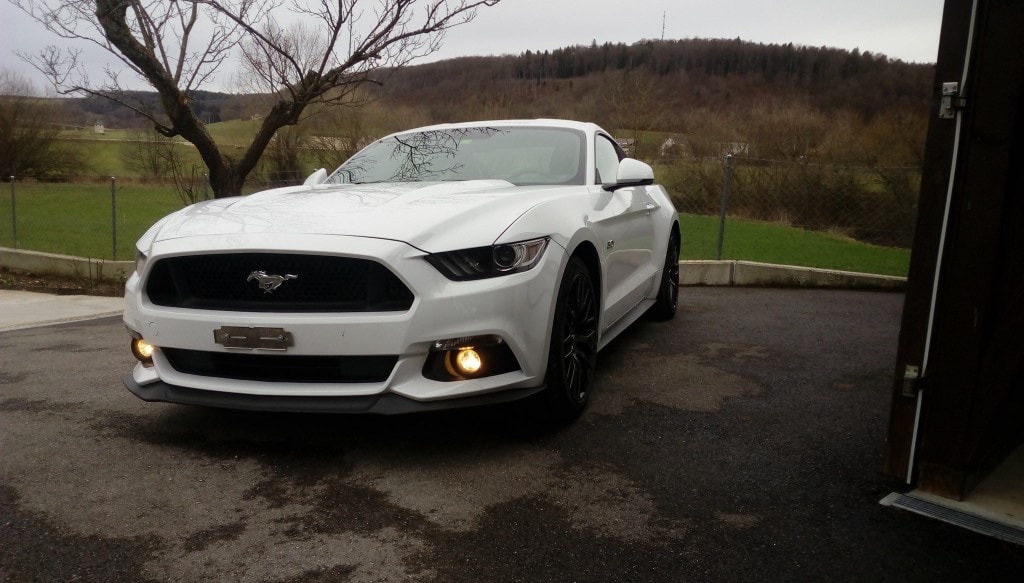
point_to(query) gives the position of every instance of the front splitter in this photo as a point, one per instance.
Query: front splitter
(383, 404)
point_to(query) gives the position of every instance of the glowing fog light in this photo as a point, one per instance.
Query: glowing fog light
(469, 357)
(143, 351)
(468, 361)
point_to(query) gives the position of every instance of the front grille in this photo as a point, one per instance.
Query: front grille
(324, 283)
(282, 368)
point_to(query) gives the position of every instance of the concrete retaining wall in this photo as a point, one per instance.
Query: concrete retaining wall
(750, 273)
(65, 265)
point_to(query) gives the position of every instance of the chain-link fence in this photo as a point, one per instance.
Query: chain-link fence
(746, 208)
(98, 218)
(732, 208)
(871, 204)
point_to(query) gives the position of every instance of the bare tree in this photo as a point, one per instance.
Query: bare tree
(152, 155)
(29, 132)
(149, 154)
(282, 164)
(636, 109)
(187, 179)
(343, 133)
(177, 47)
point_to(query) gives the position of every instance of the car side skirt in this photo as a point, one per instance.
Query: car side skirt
(619, 326)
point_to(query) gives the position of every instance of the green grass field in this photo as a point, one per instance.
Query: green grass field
(104, 158)
(784, 245)
(104, 154)
(238, 132)
(75, 219)
(233, 132)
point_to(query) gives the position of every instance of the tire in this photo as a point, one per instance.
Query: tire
(667, 301)
(573, 351)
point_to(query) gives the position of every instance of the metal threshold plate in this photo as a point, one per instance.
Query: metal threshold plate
(956, 517)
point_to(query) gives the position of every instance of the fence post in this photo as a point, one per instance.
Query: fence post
(726, 178)
(14, 216)
(113, 215)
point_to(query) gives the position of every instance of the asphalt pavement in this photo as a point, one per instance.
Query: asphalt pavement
(741, 441)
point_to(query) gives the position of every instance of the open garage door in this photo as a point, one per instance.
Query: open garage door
(958, 396)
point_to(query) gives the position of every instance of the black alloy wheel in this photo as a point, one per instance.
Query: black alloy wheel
(573, 351)
(667, 302)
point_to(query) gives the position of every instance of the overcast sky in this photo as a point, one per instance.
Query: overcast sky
(901, 29)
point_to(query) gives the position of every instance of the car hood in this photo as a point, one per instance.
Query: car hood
(438, 216)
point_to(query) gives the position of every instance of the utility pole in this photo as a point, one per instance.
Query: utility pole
(663, 24)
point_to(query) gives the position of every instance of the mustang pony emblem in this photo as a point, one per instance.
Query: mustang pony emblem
(268, 283)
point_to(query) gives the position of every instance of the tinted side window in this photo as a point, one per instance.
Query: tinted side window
(606, 158)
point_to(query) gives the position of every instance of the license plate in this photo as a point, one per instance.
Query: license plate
(244, 338)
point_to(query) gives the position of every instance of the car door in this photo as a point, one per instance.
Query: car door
(624, 226)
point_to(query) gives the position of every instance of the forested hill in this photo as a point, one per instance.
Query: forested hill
(668, 85)
(581, 81)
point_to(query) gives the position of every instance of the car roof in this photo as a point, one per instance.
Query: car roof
(587, 127)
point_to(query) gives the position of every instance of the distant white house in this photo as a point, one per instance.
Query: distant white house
(732, 148)
(98, 128)
(670, 143)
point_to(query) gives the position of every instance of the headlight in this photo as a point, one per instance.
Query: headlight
(484, 262)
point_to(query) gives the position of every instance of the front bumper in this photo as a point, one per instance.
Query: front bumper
(517, 308)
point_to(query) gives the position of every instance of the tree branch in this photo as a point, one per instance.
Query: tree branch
(178, 46)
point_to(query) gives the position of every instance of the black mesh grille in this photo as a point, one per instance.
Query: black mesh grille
(283, 368)
(323, 284)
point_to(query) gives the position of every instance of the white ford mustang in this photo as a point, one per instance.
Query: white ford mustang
(446, 266)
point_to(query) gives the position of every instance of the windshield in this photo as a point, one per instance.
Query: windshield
(520, 155)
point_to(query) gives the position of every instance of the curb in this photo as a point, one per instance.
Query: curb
(751, 273)
(700, 272)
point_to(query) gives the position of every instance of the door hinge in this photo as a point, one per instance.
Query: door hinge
(912, 380)
(952, 101)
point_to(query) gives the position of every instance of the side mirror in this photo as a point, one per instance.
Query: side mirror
(632, 173)
(315, 178)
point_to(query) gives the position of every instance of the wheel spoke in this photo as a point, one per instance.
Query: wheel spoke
(571, 372)
(574, 341)
(668, 294)
(578, 336)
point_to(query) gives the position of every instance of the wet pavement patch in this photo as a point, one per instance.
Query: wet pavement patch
(534, 539)
(28, 405)
(7, 378)
(34, 547)
(201, 540)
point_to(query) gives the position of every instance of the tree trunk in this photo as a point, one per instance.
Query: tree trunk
(226, 183)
